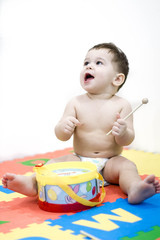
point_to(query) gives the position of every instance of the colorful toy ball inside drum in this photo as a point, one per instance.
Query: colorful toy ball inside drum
(68, 186)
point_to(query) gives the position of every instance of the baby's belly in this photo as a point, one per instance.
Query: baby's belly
(96, 146)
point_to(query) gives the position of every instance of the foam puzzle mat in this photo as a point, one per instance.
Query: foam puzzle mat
(115, 219)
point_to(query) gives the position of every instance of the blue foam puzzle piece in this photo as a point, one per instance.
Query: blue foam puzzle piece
(146, 211)
(5, 190)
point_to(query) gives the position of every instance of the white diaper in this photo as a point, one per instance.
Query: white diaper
(99, 162)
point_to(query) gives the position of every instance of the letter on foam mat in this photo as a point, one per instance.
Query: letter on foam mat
(104, 220)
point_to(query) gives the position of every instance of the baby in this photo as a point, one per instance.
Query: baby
(89, 117)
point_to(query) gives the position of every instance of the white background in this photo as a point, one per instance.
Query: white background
(42, 47)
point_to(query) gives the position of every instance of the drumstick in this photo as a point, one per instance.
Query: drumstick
(89, 235)
(144, 101)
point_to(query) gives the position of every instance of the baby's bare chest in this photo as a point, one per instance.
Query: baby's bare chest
(97, 115)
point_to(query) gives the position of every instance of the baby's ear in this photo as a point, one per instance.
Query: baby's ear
(119, 79)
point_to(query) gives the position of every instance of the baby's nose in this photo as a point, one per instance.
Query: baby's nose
(90, 66)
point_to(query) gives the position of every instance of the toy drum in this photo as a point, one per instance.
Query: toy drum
(68, 186)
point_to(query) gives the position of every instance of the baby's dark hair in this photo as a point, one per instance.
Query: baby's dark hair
(118, 57)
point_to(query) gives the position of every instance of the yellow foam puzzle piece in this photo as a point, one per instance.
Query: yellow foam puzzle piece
(147, 163)
(41, 230)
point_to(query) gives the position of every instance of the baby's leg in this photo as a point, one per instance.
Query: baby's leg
(120, 170)
(27, 185)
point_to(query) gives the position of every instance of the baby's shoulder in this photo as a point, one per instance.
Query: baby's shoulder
(123, 105)
(122, 101)
(79, 98)
(76, 100)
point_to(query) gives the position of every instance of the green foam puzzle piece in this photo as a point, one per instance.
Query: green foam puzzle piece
(2, 222)
(151, 235)
(31, 162)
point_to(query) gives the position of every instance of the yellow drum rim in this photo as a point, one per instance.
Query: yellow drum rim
(44, 175)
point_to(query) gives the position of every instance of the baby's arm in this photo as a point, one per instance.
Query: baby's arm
(65, 127)
(123, 130)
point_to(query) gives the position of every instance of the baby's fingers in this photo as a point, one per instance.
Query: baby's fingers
(76, 122)
(69, 128)
(115, 131)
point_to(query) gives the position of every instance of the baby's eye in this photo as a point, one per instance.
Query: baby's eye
(86, 63)
(99, 63)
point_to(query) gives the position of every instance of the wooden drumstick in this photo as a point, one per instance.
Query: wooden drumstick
(89, 235)
(144, 101)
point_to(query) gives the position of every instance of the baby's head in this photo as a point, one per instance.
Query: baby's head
(118, 58)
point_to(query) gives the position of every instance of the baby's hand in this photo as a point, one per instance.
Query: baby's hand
(119, 127)
(69, 124)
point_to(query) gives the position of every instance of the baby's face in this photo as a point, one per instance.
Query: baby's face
(98, 71)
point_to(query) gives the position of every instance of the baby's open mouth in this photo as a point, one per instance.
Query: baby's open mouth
(88, 77)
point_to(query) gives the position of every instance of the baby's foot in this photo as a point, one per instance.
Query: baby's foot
(22, 184)
(143, 190)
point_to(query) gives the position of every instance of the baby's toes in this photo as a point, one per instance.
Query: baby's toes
(4, 182)
(158, 189)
